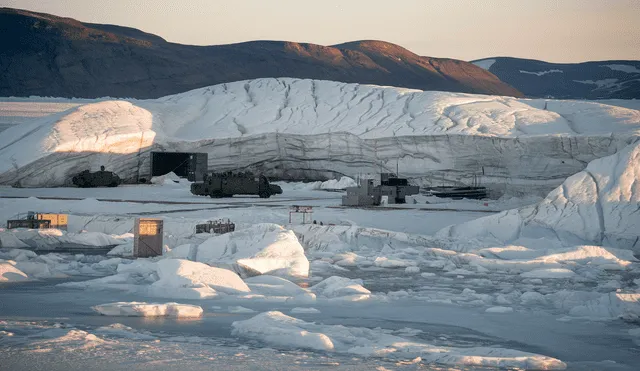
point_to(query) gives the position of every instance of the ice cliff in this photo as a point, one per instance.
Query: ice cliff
(597, 206)
(314, 130)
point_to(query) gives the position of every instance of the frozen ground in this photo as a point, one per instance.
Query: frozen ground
(381, 289)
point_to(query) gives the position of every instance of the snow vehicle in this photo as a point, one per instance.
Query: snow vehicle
(228, 184)
(102, 178)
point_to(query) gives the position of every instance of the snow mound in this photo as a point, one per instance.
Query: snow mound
(9, 272)
(70, 339)
(259, 249)
(186, 279)
(343, 183)
(170, 180)
(597, 206)
(140, 309)
(278, 329)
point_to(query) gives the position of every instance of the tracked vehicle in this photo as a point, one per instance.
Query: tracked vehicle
(102, 178)
(217, 185)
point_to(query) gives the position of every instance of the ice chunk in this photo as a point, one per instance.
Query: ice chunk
(186, 251)
(282, 330)
(120, 330)
(499, 310)
(186, 279)
(239, 309)
(608, 306)
(125, 249)
(271, 285)
(34, 269)
(336, 286)
(19, 255)
(260, 249)
(68, 338)
(141, 309)
(549, 273)
(351, 259)
(141, 267)
(385, 262)
(9, 240)
(9, 273)
(306, 310)
(532, 298)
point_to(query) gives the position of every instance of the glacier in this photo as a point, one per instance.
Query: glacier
(598, 206)
(294, 129)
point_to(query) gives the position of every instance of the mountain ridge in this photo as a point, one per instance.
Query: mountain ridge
(47, 55)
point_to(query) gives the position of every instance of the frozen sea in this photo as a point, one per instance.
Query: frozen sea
(44, 326)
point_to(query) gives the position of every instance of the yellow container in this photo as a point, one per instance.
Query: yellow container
(58, 221)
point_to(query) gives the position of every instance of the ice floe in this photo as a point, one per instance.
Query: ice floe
(142, 309)
(277, 329)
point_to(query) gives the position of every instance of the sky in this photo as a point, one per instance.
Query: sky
(551, 30)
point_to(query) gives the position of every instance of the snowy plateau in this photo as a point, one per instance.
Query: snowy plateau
(545, 277)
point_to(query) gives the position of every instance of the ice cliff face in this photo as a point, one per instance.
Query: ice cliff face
(600, 205)
(315, 130)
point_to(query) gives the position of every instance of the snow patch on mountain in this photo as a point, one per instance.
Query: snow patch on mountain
(541, 73)
(623, 68)
(485, 64)
(606, 83)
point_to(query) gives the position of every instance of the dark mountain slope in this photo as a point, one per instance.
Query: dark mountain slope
(589, 80)
(46, 55)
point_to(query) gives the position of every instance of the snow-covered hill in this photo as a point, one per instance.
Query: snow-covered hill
(309, 129)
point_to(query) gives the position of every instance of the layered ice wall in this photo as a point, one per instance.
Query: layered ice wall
(315, 130)
(598, 206)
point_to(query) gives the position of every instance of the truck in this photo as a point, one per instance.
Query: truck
(217, 185)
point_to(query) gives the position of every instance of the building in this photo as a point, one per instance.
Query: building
(366, 194)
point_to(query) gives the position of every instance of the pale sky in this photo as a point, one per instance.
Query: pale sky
(551, 30)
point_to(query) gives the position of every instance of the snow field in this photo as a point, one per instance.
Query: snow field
(140, 309)
(278, 329)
